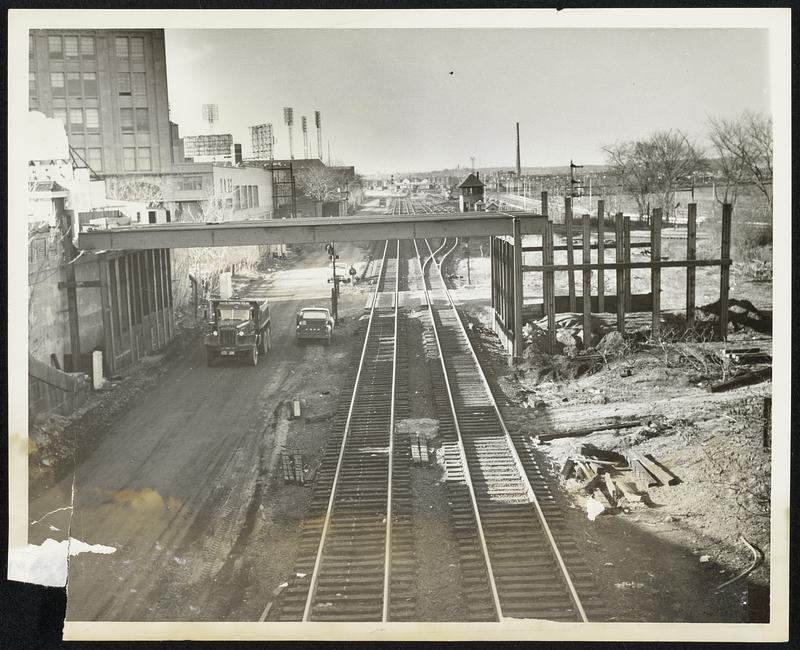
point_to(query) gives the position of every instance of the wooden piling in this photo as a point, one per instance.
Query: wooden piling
(626, 277)
(491, 272)
(619, 248)
(570, 253)
(587, 284)
(128, 281)
(725, 270)
(601, 255)
(691, 252)
(544, 204)
(549, 284)
(655, 272)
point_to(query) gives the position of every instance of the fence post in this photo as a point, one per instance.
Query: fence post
(518, 342)
(544, 204)
(655, 272)
(550, 289)
(619, 246)
(601, 256)
(570, 254)
(725, 270)
(626, 280)
(691, 252)
(587, 283)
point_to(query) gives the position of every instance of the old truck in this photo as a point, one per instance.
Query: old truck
(314, 323)
(238, 329)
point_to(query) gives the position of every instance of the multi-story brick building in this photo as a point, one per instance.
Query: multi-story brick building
(109, 87)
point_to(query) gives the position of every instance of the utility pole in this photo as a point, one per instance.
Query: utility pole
(472, 160)
(466, 253)
(519, 167)
(331, 249)
(66, 224)
(572, 181)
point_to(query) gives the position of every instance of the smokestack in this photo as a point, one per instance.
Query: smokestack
(519, 168)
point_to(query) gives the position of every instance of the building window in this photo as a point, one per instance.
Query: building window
(76, 119)
(57, 83)
(87, 47)
(74, 84)
(139, 85)
(79, 156)
(124, 83)
(54, 47)
(90, 84)
(96, 159)
(190, 183)
(30, 46)
(142, 120)
(121, 47)
(126, 119)
(255, 196)
(129, 159)
(32, 84)
(144, 159)
(236, 198)
(61, 114)
(137, 47)
(92, 119)
(71, 47)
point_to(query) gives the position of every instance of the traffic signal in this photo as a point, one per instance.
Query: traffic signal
(329, 248)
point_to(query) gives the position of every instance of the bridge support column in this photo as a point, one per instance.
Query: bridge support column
(518, 342)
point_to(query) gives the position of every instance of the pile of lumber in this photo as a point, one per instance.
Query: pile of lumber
(616, 480)
(747, 356)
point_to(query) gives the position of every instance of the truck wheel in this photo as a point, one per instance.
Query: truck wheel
(211, 358)
(254, 356)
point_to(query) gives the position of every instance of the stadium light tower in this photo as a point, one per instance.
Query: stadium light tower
(288, 118)
(211, 115)
(304, 123)
(318, 122)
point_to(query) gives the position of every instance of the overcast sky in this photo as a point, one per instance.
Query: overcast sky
(389, 102)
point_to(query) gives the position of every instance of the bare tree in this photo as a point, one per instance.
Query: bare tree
(655, 167)
(744, 146)
(319, 183)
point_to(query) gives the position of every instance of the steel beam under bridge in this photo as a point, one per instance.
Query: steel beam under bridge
(299, 231)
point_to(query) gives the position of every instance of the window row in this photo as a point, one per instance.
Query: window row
(79, 119)
(132, 82)
(68, 47)
(129, 47)
(92, 157)
(134, 119)
(136, 159)
(245, 196)
(75, 84)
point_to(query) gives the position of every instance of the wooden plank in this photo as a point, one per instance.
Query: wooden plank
(550, 307)
(664, 477)
(128, 281)
(601, 254)
(619, 250)
(518, 300)
(587, 284)
(626, 276)
(491, 270)
(108, 323)
(545, 211)
(578, 433)
(80, 284)
(594, 247)
(642, 475)
(655, 272)
(612, 489)
(627, 492)
(118, 302)
(725, 271)
(570, 254)
(568, 469)
(170, 299)
(162, 272)
(691, 253)
(154, 313)
(662, 264)
(742, 380)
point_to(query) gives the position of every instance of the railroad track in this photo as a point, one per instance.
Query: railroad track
(355, 560)
(503, 512)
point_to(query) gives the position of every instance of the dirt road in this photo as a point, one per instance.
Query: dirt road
(173, 483)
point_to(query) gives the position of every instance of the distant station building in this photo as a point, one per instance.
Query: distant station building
(470, 192)
(109, 89)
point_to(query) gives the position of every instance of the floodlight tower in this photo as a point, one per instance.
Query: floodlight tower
(304, 122)
(288, 118)
(210, 115)
(318, 122)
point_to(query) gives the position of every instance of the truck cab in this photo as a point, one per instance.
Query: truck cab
(239, 328)
(314, 323)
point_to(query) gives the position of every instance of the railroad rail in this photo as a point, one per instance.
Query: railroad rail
(355, 561)
(511, 563)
